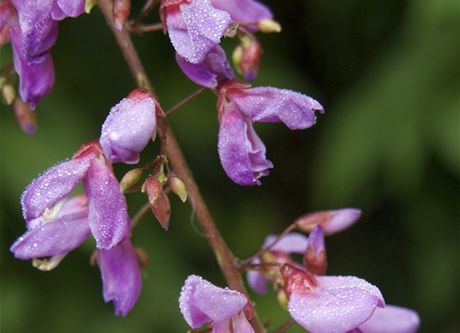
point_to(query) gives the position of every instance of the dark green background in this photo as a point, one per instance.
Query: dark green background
(387, 73)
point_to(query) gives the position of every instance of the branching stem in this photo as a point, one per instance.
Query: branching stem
(224, 256)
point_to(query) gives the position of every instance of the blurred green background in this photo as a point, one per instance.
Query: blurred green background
(388, 75)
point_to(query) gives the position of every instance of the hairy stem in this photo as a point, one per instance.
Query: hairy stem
(184, 101)
(224, 256)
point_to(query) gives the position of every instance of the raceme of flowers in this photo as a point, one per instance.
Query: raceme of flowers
(57, 221)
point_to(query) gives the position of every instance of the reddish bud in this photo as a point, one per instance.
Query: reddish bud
(315, 259)
(121, 10)
(152, 187)
(4, 35)
(250, 58)
(25, 116)
(161, 208)
(297, 280)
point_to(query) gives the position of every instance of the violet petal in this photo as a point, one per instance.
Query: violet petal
(341, 219)
(121, 276)
(291, 243)
(210, 71)
(200, 301)
(241, 151)
(108, 216)
(71, 8)
(129, 127)
(52, 238)
(245, 11)
(336, 305)
(53, 185)
(391, 319)
(196, 28)
(267, 104)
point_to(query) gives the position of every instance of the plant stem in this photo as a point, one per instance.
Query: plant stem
(184, 101)
(224, 256)
(141, 28)
(140, 214)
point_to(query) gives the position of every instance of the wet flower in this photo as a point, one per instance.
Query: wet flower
(33, 29)
(107, 211)
(279, 253)
(129, 127)
(390, 319)
(211, 71)
(241, 151)
(331, 221)
(202, 302)
(329, 304)
(246, 12)
(194, 27)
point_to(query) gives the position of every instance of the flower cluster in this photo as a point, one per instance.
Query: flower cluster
(32, 27)
(57, 223)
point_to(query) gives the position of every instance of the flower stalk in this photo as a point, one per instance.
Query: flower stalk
(224, 256)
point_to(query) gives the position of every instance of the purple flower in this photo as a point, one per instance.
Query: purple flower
(211, 71)
(107, 211)
(329, 304)
(247, 12)
(194, 27)
(64, 228)
(391, 319)
(331, 221)
(33, 29)
(129, 127)
(121, 276)
(279, 253)
(202, 302)
(241, 151)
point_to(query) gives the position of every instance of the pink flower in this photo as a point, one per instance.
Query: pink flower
(129, 127)
(194, 27)
(202, 302)
(241, 151)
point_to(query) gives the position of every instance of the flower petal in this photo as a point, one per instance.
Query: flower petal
(108, 216)
(241, 324)
(256, 280)
(121, 276)
(72, 8)
(241, 151)
(39, 31)
(267, 104)
(244, 11)
(36, 79)
(341, 219)
(52, 238)
(391, 319)
(336, 305)
(196, 28)
(58, 181)
(210, 71)
(291, 243)
(129, 127)
(200, 301)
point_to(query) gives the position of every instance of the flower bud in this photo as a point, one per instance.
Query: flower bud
(268, 26)
(331, 221)
(152, 187)
(178, 187)
(25, 116)
(130, 178)
(315, 259)
(121, 9)
(8, 93)
(250, 59)
(129, 127)
(89, 4)
(48, 264)
(161, 208)
(4, 35)
(296, 280)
